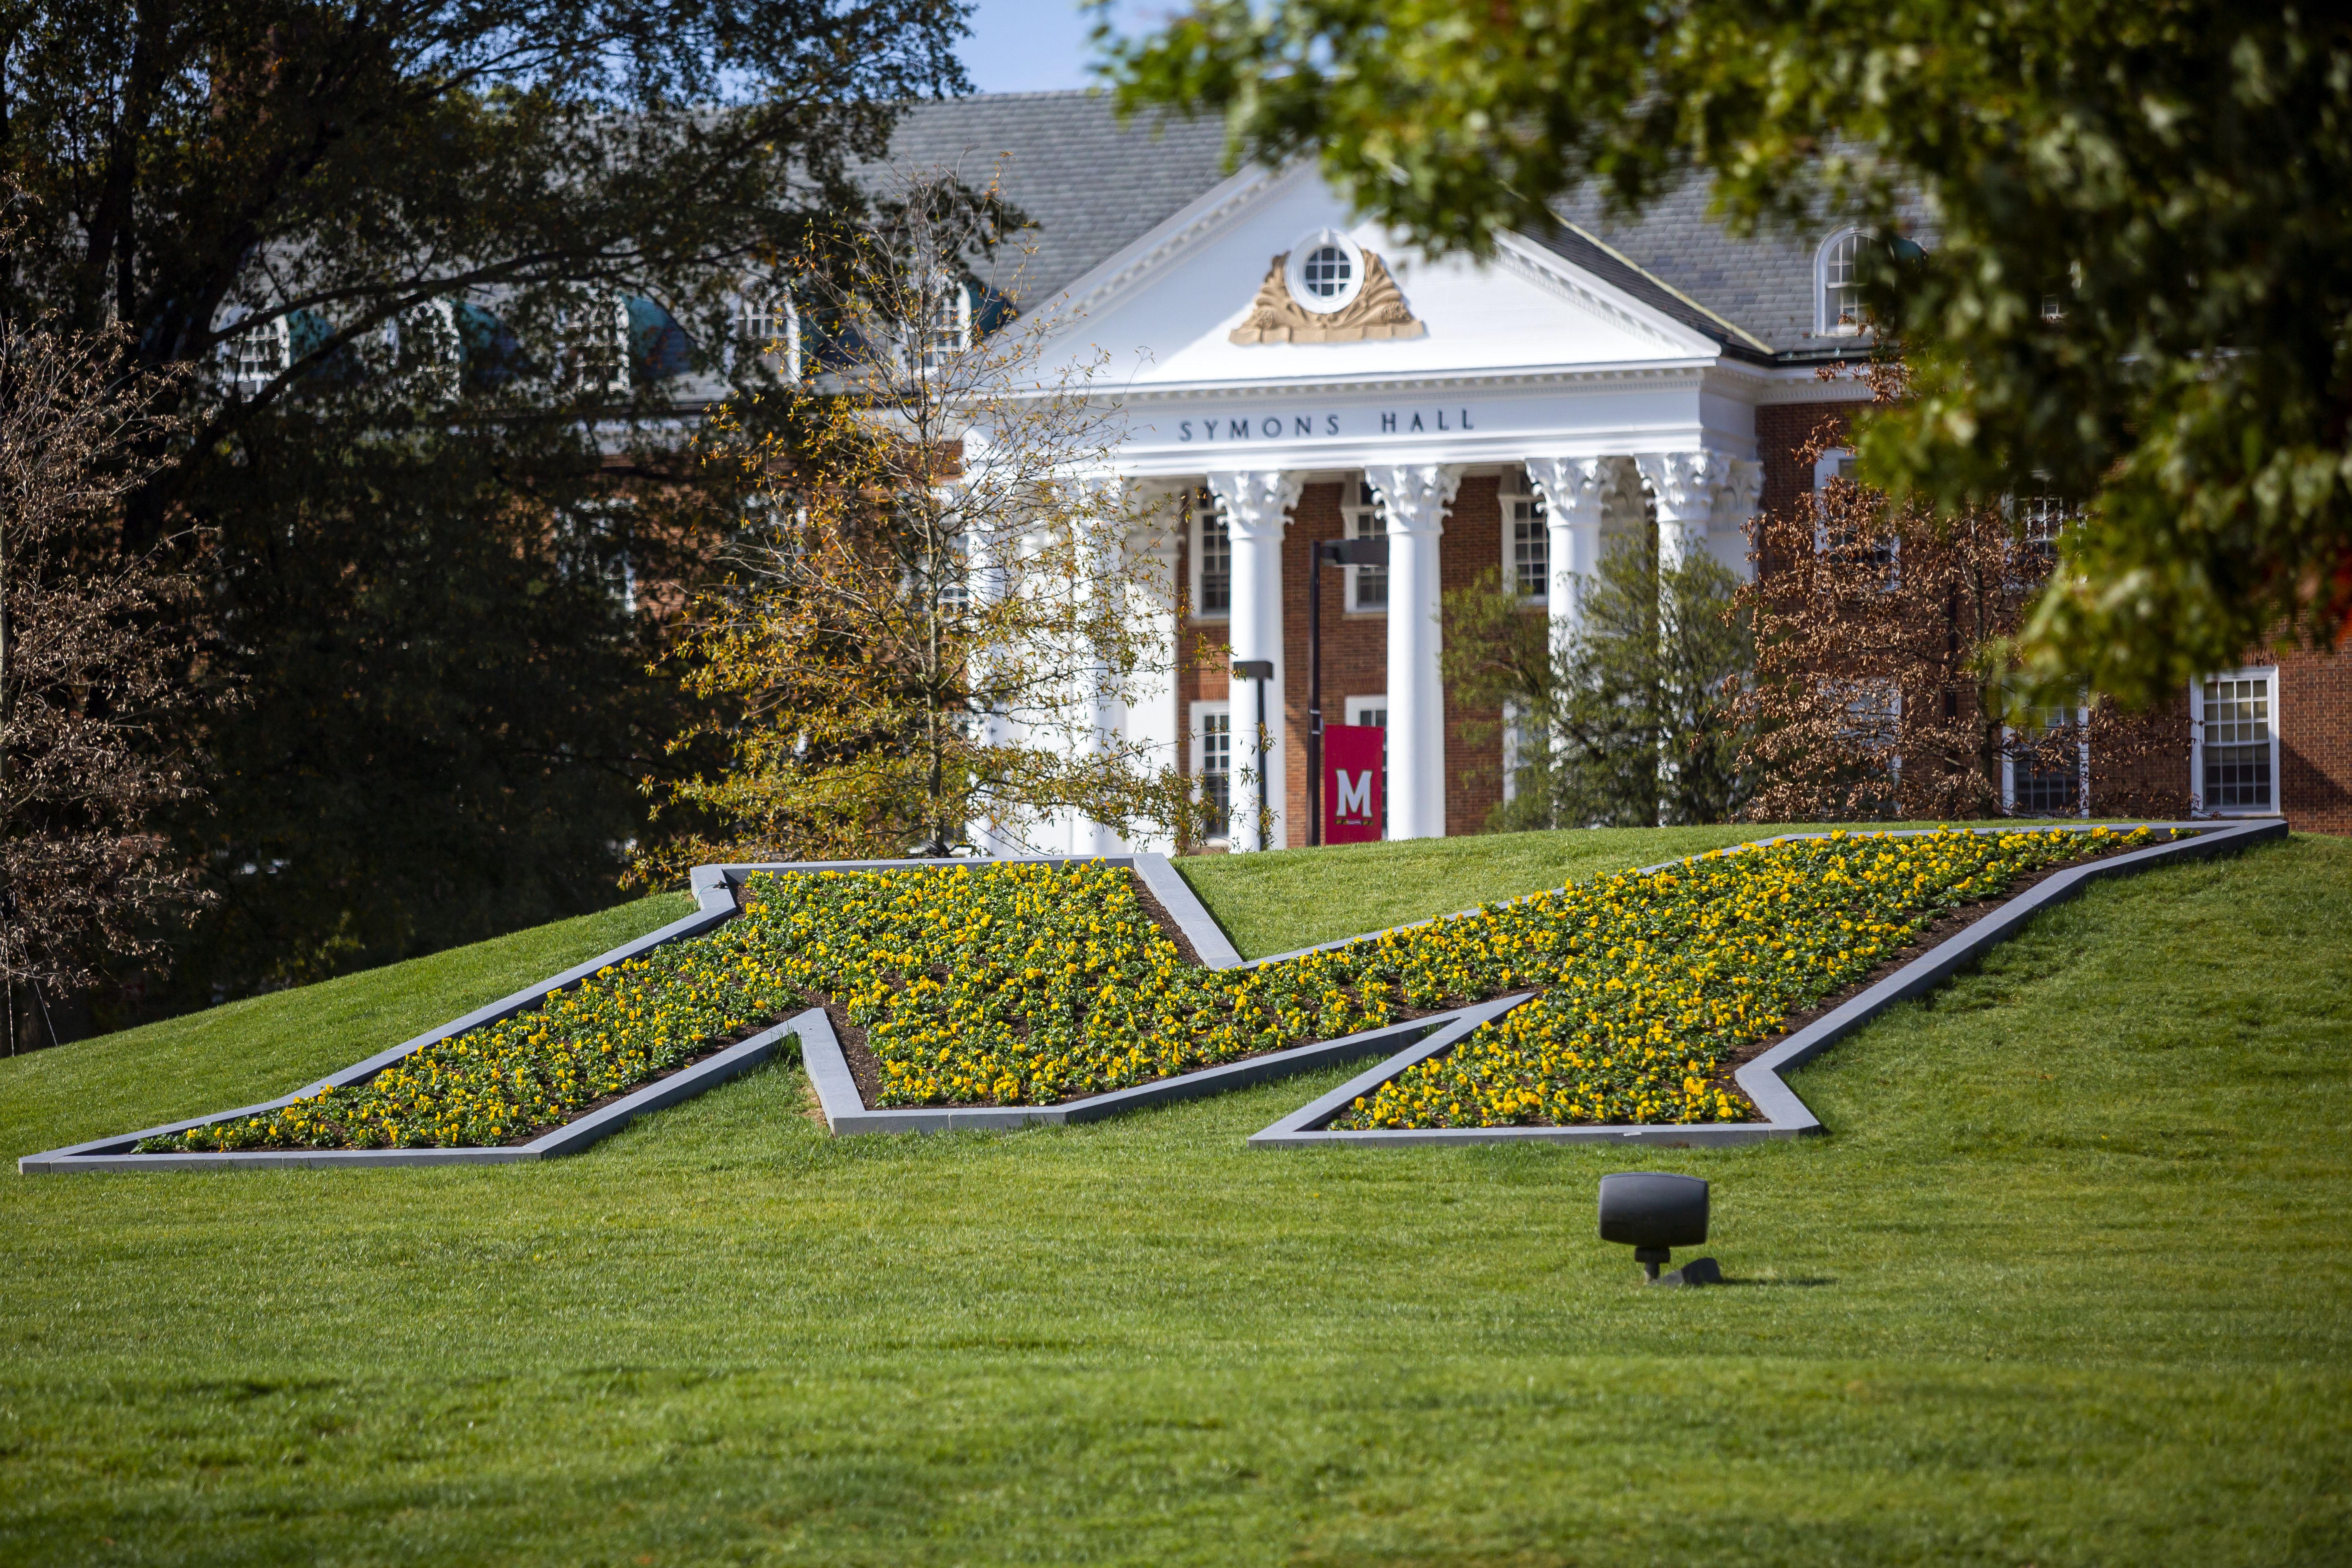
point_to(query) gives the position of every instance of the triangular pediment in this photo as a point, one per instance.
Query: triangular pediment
(1202, 300)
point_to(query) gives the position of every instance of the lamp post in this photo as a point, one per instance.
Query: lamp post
(1258, 671)
(1338, 553)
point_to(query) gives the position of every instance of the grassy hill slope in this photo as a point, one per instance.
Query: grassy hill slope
(2068, 1283)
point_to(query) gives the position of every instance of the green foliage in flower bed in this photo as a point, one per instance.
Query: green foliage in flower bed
(1654, 982)
(1029, 984)
(624, 1025)
(727, 1336)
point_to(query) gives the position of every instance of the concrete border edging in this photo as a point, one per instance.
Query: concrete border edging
(845, 1112)
(1786, 1114)
(114, 1154)
(714, 890)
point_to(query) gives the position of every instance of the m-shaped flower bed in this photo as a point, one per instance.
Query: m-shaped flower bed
(1026, 985)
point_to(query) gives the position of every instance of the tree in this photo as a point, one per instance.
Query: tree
(2136, 284)
(93, 666)
(927, 638)
(1882, 689)
(1630, 721)
(436, 280)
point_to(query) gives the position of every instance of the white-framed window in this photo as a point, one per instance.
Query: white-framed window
(1325, 272)
(946, 330)
(257, 357)
(1837, 287)
(1212, 764)
(771, 327)
(1523, 742)
(1837, 463)
(425, 339)
(1368, 586)
(595, 355)
(2043, 514)
(1834, 535)
(592, 544)
(1526, 539)
(1872, 724)
(1213, 557)
(2234, 743)
(2036, 783)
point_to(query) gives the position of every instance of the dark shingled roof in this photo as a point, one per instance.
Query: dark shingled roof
(1089, 184)
(1611, 266)
(1093, 186)
(1765, 284)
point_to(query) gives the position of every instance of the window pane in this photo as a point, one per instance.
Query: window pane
(1530, 543)
(1326, 272)
(2047, 787)
(2238, 744)
(1841, 299)
(1216, 558)
(1217, 770)
(258, 354)
(1371, 583)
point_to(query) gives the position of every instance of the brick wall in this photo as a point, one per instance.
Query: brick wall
(2316, 740)
(1472, 548)
(1784, 429)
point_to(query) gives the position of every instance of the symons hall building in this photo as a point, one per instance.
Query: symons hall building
(1301, 377)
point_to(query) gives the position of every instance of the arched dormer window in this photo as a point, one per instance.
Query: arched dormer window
(1837, 287)
(256, 355)
(946, 330)
(770, 329)
(424, 340)
(595, 355)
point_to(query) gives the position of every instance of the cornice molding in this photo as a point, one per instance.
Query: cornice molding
(1522, 257)
(1691, 371)
(1190, 229)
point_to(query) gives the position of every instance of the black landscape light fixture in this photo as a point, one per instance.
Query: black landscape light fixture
(1260, 671)
(1336, 553)
(1654, 1212)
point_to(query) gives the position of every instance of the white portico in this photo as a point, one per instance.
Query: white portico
(1262, 344)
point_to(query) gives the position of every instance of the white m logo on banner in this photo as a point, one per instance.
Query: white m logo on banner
(1356, 795)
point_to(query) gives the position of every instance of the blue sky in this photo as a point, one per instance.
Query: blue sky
(1040, 45)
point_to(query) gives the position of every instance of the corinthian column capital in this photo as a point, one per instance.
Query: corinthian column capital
(1414, 496)
(1572, 487)
(1257, 499)
(1735, 498)
(1684, 483)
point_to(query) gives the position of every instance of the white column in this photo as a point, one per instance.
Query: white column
(1704, 499)
(1414, 497)
(1102, 503)
(1735, 506)
(1257, 505)
(1572, 490)
(1153, 721)
(990, 572)
(1684, 485)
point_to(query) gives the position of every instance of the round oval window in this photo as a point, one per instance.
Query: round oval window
(1328, 272)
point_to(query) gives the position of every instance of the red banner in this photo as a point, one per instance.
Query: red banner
(1353, 782)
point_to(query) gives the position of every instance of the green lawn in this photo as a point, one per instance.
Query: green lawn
(2069, 1283)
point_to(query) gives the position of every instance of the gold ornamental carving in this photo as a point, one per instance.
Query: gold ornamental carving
(1378, 310)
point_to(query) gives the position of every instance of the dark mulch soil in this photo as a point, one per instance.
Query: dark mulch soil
(702, 1053)
(866, 1067)
(1164, 920)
